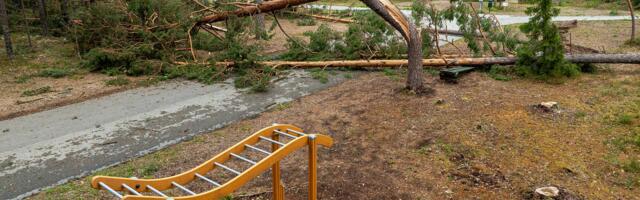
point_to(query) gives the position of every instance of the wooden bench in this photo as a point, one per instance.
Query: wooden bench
(450, 75)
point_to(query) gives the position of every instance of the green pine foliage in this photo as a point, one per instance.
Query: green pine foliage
(369, 36)
(543, 55)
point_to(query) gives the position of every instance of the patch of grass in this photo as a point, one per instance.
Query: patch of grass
(432, 71)
(55, 72)
(580, 114)
(256, 79)
(500, 73)
(613, 12)
(37, 91)
(148, 82)
(391, 73)
(206, 74)
(118, 81)
(634, 42)
(283, 106)
(624, 119)
(348, 75)
(23, 79)
(632, 166)
(320, 75)
(306, 21)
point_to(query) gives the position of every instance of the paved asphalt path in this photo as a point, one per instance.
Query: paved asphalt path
(51, 147)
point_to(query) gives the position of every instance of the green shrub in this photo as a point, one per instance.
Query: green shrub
(625, 119)
(632, 166)
(256, 79)
(207, 42)
(206, 74)
(543, 55)
(633, 42)
(500, 73)
(37, 91)
(306, 21)
(99, 59)
(55, 72)
(118, 81)
(23, 78)
(320, 75)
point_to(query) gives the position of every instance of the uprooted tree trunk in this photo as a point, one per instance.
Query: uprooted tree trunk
(441, 62)
(384, 8)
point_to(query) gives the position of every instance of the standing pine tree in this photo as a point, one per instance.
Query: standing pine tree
(543, 55)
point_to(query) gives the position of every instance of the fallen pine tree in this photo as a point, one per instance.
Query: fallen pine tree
(435, 62)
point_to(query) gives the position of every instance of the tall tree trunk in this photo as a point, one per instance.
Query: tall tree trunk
(26, 23)
(384, 8)
(260, 32)
(4, 19)
(64, 9)
(633, 20)
(42, 7)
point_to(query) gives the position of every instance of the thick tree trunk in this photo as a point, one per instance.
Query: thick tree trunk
(26, 23)
(4, 19)
(260, 32)
(64, 9)
(633, 20)
(394, 16)
(435, 62)
(42, 7)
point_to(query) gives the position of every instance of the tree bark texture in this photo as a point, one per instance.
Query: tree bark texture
(42, 7)
(64, 9)
(633, 20)
(260, 31)
(4, 20)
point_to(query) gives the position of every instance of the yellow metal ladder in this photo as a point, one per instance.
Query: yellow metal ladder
(139, 189)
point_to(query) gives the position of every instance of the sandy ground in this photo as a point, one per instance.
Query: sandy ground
(478, 139)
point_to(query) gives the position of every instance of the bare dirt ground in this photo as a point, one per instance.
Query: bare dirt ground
(478, 139)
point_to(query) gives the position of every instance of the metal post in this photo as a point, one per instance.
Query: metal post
(278, 191)
(313, 158)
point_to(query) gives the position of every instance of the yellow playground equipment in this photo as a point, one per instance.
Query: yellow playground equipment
(139, 189)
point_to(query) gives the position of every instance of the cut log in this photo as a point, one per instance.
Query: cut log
(577, 58)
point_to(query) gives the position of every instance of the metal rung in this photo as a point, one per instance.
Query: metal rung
(208, 180)
(227, 168)
(156, 191)
(106, 187)
(131, 190)
(272, 141)
(258, 149)
(296, 132)
(183, 188)
(243, 158)
(285, 134)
